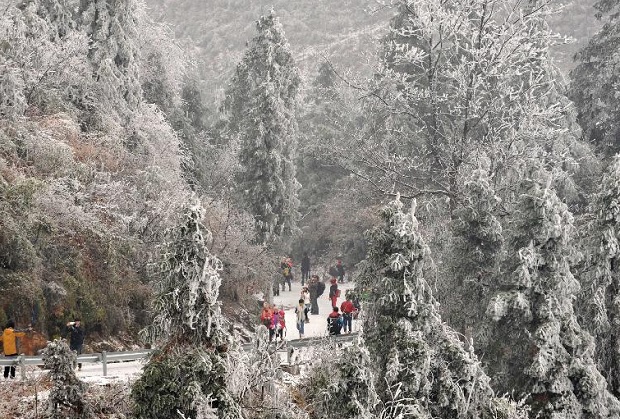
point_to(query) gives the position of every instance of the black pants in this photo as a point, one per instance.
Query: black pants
(10, 369)
(315, 305)
(78, 350)
(305, 275)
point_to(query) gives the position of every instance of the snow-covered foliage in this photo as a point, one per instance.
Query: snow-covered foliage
(38, 69)
(543, 350)
(340, 384)
(596, 80)
(417, 358)
(603, 287)
(455, 93)
(189, 370)
(475, 256)
(260, 109)
(186, 307)
(66, 398)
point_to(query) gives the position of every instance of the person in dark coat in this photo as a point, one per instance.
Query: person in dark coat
(305, 269)
(313, 290)
(340, 270)
(76, 338)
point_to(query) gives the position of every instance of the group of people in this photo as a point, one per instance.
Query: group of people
(284, 276)
(339, 321)
(10, 335)
(274, 320)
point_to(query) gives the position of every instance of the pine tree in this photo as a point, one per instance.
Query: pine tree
(67, 395)
(260, 107)
(189, 369)
(414, 353)
(595, 81)
(476, 253)
(605, 289)
(544, 351)
(113, 54)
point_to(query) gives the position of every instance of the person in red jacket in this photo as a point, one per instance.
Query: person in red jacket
(334, 292)
(266, 315)
(347, 308)
(278, 324)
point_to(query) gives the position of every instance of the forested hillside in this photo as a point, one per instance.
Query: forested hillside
(343, 31)
(156, 183)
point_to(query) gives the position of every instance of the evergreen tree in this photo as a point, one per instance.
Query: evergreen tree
(113, 53)
(476, 253)
(260, 107)
(543, 352)
(414, 353)
(595, 81)
(67, 395)
(189, 368)
(605, 289)
(340, 384)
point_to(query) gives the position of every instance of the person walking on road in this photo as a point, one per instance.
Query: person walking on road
(334, 292)
(305, 295)
(76, 338)
(10, 346)
(266, 315)
(347, 308)
(305, 269)
(301, 317)
(340, 270)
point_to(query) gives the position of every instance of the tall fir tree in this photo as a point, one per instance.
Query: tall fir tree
(188, 372)
(596, 79)
(476, 253)
(604, 298)
(260, 108)
(414, 353)
(543, 352)
(114, 54)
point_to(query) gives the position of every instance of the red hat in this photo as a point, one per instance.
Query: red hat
(333, 280)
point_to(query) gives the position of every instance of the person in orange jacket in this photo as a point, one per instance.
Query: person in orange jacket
(266, 315)
(10, 346)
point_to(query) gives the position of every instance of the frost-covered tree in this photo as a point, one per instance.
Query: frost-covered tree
(541, 351)
(67, 395)
(38, 70)
(414, 353)
(596, 79)
(113, 53)
(260, 109)
(604, 291)
(475, 256)
(340, 384)
(456, 92)
(190, 367)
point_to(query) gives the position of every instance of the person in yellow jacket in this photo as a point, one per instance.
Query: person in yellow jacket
(10, 347)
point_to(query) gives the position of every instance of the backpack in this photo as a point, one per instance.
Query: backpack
(320, 289)
(286, 271)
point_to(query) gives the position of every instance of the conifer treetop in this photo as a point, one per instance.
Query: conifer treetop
(186, 305)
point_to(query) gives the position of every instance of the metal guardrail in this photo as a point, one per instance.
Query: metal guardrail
(110, 357)
(104, 357)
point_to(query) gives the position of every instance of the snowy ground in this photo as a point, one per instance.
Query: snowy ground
(129, 371)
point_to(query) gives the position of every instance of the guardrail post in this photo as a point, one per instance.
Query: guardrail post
(22, 366)
(104, 361)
